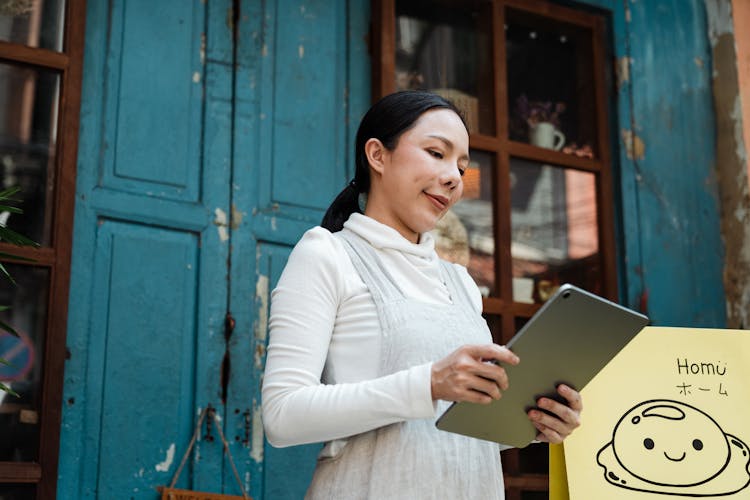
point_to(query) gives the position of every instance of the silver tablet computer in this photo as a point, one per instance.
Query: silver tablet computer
(569, 340)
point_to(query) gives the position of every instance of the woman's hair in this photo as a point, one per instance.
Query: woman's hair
(386, 120)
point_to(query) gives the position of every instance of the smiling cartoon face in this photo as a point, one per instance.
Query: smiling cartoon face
(670, 443)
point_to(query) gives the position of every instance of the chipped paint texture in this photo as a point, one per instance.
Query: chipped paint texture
(731, 162)
(220, 221)
(261, 295)
(237, 217)
(736, 117)
(720, 19)
(256, 451)
(261, 322)
(167, 463)
(741, 17)
(623, 70)
(635, 148)
(203, 49)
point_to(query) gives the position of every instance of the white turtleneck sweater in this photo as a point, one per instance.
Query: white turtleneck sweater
(321, 378)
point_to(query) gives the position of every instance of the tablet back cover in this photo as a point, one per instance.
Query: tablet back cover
(569, 340)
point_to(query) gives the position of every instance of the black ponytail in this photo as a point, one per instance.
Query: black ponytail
(386, 120)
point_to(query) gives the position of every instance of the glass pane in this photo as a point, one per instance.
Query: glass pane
(17, 491)
(519, 323)
(446, 49)
(19, 415)
(550, 84)
(466, 234)
(554, 230)
(36, 23)
(28, 138)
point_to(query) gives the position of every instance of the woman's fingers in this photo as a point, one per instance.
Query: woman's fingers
(548, 435)
(493, 372)
(562, 419)
(575, 402)
(492, 352)
(466, 374)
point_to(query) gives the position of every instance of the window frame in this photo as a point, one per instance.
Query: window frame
(383, 50)
(57, 256)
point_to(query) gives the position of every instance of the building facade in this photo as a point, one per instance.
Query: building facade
(180, 149)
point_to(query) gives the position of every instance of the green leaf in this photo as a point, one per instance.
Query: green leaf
(5, 326)
(5, 362)
(7, 234)
(11, 209)
(6, 273)
(7, 389)
(6, 194)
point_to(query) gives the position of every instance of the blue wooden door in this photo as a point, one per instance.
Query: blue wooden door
(301, 86)
(149, 286)
(213, 133)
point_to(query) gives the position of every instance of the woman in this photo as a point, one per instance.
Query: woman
(372, 335)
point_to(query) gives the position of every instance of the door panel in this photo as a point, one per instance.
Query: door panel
(147, 354)
(154, 89)
(146, 323)
(201, 163)
(309, 102)
(302, 85)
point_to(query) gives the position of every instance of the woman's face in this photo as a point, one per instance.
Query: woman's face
(416, 183)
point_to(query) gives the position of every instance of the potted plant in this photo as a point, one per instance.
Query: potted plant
(7, 235)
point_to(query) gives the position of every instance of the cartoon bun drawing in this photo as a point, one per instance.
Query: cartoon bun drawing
(672, 448)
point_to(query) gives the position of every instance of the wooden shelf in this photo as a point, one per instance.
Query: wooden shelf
(20, 472)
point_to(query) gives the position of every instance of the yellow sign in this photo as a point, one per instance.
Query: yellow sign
(669, 416)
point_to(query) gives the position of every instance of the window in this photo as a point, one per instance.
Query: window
(537, 211)
(41, 45)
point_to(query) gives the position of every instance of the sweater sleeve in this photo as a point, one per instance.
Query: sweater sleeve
(297, 407)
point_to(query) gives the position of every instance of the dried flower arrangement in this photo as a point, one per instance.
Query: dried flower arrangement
(534, 112)
(16, 7)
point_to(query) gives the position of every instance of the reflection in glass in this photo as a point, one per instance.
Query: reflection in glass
(19, 416)
(495, 324)
(550, 84)
(466, 233)
(36, 23)
(17, 491)
(554, 230)
(28, 137)
(445, 49)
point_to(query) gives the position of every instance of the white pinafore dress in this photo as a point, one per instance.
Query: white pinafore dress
(412, 459)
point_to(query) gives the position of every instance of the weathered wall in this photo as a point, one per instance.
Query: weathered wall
(731, 91)
(671, 209)
(668, 211)
(741, 19)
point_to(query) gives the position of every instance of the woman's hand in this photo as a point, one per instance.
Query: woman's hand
(555, 429)
(466, 374)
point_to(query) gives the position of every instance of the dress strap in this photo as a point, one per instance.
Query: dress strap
(370, 267)
(456, 285)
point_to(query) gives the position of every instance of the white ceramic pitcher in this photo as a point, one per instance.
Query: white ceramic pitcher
(546, 135)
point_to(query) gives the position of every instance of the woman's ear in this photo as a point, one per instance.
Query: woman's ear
(376, 153)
